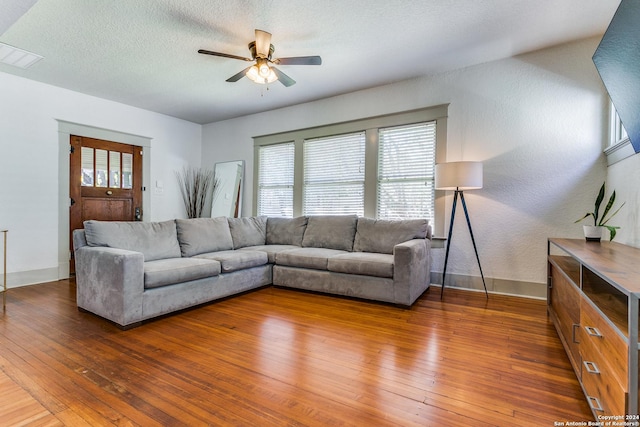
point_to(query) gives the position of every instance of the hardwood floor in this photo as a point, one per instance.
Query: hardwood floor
(278, 357)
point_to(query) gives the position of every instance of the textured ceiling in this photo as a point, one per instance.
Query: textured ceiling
(144, 52)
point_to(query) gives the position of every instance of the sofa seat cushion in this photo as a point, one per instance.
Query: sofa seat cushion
(314, 258)
(270, 250)
(177, 270)
(365, 263)
(236, 260)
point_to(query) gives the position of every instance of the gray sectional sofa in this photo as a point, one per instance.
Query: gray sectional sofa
(128, 272)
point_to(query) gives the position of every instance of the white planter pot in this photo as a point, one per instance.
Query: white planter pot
(592, 233)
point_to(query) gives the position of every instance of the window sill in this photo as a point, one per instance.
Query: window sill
(438, 242)
(619, 151)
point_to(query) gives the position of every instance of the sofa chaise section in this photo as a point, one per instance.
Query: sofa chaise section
(379, 260)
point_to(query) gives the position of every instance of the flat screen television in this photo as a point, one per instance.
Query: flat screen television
(617, 59)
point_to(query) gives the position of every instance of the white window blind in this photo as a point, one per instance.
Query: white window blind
(275, 180)
(334, 175)
(406, 158)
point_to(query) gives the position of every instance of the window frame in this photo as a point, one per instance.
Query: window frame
(370, 126)
(619, 145)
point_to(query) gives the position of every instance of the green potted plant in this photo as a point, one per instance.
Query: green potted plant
(594, 232)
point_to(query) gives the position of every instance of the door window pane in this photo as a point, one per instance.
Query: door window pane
(114, 169)
(101, 168)
(127, 170)
(87, 167)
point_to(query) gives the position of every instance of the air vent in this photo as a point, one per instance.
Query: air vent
(17, 57)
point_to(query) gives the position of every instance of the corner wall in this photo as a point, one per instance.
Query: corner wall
(30, 172)
(537, 121)
(624, 178)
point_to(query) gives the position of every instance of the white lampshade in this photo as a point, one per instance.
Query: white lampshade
(458, 175)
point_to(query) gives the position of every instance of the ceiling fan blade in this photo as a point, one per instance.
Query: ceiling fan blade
(263, 43)
(238, 76)
(299, 60)
(224, 55)
(284, 79)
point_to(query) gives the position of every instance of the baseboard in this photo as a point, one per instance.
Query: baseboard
(31, 277)
(496, 286)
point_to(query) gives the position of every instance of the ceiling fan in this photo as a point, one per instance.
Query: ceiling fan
(262, 71)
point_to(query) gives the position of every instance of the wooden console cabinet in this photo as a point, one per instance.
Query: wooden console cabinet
(593, 291)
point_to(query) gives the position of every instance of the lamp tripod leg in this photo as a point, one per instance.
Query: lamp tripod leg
(446, 257)
(466, 214)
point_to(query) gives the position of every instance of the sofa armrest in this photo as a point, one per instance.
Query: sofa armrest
(411, 270)
(110, 283)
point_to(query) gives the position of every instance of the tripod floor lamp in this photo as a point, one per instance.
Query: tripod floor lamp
(459, 176)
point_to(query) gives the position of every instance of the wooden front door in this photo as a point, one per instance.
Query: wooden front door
(105, 184)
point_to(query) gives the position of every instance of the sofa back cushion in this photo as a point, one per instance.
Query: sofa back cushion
(381, 236)
(286, 231)
(248, 231)
(330, 231)
(202, 235)
(155, 240)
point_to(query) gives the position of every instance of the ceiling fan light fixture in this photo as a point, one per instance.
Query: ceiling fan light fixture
(261, 71)
(263, 68)
(261, 76)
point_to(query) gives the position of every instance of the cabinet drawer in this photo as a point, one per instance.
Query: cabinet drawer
(591, 358)
(604, 394)
(600, 336)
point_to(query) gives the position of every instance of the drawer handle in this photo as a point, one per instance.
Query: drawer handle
(595, 404)
(592, 368)
(593, 331)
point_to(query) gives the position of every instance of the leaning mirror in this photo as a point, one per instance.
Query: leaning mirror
(227, 196)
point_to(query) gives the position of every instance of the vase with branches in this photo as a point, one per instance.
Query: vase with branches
(195, 186)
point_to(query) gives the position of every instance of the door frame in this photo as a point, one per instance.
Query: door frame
(65, 130)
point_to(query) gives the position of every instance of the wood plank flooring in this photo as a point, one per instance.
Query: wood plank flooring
(278, 357)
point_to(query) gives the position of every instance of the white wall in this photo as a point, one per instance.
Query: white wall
(29, 165)
(537, 121)
(624, 178)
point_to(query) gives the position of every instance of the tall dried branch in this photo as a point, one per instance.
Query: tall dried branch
(195, 184)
